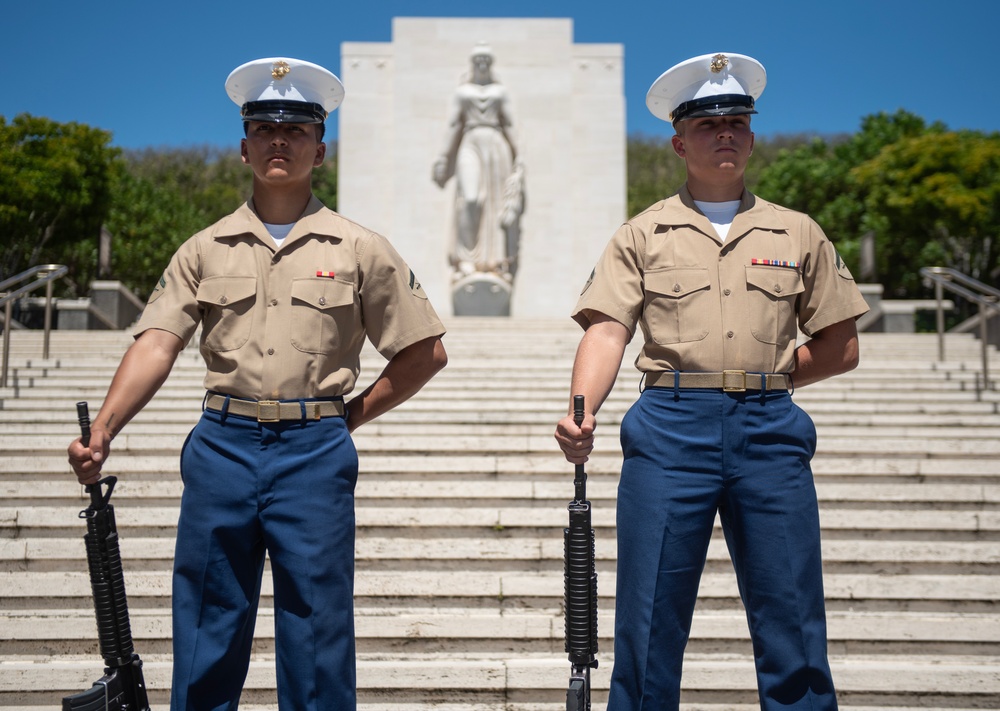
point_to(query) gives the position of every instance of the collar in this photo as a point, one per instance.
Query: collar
(246, 221)
(753, 213)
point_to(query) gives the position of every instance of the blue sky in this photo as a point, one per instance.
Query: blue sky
(152, 73)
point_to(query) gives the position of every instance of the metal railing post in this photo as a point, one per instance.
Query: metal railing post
(985, 296)
(7, 309)
(939, 295)
(983, 342)
(35, 276)
(48, 320)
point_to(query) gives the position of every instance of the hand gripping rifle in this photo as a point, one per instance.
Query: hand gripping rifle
(122, 687)
(581, 588)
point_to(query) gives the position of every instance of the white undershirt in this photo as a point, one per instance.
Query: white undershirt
(278, 232)
(720, 214)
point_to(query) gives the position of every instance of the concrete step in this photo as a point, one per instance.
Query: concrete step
(545, 678)
(523, 587)
(33, 520)
(134, 491)
(844, 465)
(151, 628)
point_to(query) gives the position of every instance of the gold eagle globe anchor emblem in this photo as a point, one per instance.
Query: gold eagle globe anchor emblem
(280, 70)
(719, 62)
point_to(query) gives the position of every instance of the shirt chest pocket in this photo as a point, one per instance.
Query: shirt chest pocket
(675, 303)
(227, 310)
(772, 294)
(322, 314)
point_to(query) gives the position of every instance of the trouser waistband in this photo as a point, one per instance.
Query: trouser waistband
(275, 410)
(735, 381)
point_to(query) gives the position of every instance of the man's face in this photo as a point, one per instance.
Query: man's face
(282, 151)
(715, 145)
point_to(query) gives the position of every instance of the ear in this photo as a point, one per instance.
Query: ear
(751, 143)
(243, 151)
(320, 155)
(678, 143)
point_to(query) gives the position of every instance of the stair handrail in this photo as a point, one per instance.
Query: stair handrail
(36, 277)
(983, 295)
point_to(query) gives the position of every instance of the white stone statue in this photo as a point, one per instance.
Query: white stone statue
(489, 180)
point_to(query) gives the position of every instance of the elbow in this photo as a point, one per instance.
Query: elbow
(439, 357)
(852, 356)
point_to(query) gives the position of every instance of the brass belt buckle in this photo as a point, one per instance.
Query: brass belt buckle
(741, 378)
(265, 408)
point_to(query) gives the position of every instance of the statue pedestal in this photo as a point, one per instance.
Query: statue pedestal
(481, 294)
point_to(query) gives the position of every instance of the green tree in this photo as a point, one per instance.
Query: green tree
(55, 193)
(653, 170)
(162, 197)
(818, 178)
(933, 200)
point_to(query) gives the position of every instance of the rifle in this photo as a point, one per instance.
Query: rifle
(122, 688)
(581, 588)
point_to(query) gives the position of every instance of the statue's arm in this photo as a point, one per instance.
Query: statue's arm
(444, 166)
(506, 126)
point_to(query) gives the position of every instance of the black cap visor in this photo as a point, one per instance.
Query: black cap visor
(721, 105)
(283, 112)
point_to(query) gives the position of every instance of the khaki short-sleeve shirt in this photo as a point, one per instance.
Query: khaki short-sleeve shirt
(289, 323)
(705, 305)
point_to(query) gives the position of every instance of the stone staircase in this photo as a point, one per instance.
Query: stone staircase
(461, 505)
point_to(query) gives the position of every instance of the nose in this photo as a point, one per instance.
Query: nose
(278, 136)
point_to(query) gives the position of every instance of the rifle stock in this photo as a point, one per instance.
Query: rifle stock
(122, 688)
(581, 587)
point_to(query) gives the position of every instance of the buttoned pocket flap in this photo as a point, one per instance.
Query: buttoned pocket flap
(322, 293)
(777, 281)
(227, 290)
(677, 282)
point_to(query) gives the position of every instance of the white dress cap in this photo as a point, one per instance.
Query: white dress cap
(710, 85)
(284, 90)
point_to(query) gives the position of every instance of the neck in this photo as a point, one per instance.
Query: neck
(715, 192)
(280, 205)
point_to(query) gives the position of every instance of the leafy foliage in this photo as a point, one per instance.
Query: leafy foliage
(164, 197)
(928, 196)
(56, 187)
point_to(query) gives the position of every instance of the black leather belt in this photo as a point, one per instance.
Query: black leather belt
(730, 381)
(274, 410)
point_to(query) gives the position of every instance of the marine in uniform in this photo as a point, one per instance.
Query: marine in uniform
(720, 282)
(284, 292)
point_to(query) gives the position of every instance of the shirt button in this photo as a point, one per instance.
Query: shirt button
(274, 302)
(729, 335)
(322, 301)
(223, 300)
(677, 287)
(777, 288)
(270, 351)
(727, 292)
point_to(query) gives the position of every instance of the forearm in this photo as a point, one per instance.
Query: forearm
(598, 360)
(401, 379)
(143, 369)
(832, 351)
(595, 370)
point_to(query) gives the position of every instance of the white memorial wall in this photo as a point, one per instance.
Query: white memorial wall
(567, 111)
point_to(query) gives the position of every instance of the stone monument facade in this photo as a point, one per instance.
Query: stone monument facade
(491, 152)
